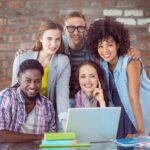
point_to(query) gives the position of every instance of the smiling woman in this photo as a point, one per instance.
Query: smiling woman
(49, 50)
(90, 86)
(127, 81)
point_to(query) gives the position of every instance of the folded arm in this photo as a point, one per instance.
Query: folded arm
(14, 137)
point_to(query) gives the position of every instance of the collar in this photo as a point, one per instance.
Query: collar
(91, 99)
(118, 68)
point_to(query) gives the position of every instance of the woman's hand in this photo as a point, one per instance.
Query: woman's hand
(99, 96)
(134, 135)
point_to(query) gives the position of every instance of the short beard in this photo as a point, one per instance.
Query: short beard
(30, 98)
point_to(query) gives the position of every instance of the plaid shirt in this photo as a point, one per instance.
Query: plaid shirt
(13, 114)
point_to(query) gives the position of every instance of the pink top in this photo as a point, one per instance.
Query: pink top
(81, 100)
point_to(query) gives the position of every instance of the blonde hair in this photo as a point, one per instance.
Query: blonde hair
(75, 14)
(46, 25)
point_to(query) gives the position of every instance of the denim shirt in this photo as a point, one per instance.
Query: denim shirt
(121, 81)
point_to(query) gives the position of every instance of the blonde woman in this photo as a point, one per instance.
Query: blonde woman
(49, 51)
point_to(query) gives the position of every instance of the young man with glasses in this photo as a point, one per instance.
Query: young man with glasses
(75, 43)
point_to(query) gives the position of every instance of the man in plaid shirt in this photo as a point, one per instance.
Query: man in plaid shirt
(24, 114)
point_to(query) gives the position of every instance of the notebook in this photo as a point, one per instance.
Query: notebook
(93, 124)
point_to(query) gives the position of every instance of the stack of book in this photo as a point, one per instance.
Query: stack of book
(56, 140)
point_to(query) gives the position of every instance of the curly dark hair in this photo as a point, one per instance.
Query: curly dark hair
(101, 77)
(30, 64)
(104, 29)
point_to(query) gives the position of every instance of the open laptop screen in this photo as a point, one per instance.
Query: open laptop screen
(93, 124)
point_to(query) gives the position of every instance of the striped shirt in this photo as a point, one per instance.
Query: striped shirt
(76, 58)
(13, 114)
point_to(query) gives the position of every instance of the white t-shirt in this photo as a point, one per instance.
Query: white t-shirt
(28, 126)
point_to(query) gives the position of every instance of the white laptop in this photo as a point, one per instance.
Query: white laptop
(93, 124)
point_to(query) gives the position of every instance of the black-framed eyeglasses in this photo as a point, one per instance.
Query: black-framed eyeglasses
(71, 28)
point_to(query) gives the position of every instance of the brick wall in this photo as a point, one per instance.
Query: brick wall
(19, 20)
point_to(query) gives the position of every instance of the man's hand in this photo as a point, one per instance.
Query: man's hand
(64, 122)
(134, 53)
(21, 51)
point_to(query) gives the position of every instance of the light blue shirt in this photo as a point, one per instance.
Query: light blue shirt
(121, 81)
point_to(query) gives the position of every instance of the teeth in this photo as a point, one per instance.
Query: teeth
(88, 85)
(32, 91)
(107, 55)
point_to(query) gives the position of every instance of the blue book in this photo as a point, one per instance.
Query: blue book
(65, 146)
(58, 142)
(133, 142)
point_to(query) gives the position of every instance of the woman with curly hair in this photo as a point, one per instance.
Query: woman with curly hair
(128, 83)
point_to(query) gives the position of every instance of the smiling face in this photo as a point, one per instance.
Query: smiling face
(30, 82)
(51, 40)
(107, 50)
(88, 79)
(76, 38)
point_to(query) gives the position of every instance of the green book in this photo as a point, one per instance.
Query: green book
(60, 136)
(66, 145)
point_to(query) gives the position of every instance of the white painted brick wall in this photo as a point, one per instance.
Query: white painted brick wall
(143, 21)
(112, 12)
(133, 13)
(127, 21)
(66, 11)
(91, 11)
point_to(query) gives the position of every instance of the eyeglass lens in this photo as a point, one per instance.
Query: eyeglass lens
(80, 29)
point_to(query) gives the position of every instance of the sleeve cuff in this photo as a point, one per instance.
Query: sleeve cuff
(63, 115)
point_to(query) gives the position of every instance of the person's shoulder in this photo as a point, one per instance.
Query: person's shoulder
(45, 100)
(7, 94)
(6, 91)
(129, 60)
(126, 57)
(63, 58)
(78, 94)
(26, 54)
